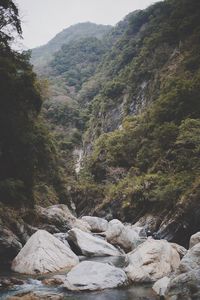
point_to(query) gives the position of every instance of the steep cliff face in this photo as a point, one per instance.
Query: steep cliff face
(142, 142)
(148, 52)
(137, 111)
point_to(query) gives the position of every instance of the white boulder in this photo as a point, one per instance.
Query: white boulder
(96, 224)
(90, 245)
(43, 253)
(94, 276)
(151, 261)
(127, 237)
(160, 286)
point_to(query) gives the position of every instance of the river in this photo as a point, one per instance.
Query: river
(34, 283)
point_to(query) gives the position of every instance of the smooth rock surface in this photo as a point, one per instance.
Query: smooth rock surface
(127, 237)
(90, 245)
(43, 253)
(160, 286)
(96, 224)
(195, 239)
(151, 261)
(94, 276)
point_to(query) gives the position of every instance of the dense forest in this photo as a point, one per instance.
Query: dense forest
(27, 150)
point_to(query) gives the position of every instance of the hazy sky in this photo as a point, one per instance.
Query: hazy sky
(43, 19)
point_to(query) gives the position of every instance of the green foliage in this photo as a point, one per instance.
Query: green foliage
(28, 154)
(43, 55)
(77, 61)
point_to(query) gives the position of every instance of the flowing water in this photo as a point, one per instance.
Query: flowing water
(133, 292)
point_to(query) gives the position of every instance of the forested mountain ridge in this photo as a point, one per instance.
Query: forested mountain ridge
(42, 55)
(136, 111)
(147, 85)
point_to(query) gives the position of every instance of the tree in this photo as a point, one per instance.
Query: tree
(9, 22)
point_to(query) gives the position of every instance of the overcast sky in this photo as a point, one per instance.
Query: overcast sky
(43, 19)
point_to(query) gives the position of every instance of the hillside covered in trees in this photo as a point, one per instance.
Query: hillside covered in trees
(137, 98)
(27, 150)
(99, 158)
(124, 101)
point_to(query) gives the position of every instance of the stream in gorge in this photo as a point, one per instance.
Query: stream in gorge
(34, 284)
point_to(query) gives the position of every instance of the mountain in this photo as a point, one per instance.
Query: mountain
(141, 144)
(129, 101)
(41, 55)
(81, 48)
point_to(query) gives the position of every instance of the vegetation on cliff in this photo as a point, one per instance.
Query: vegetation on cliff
(28, 155)
(142, 140)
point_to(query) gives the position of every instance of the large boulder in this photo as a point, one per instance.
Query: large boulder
(127, 237)
(151, 261)
(185, 286)
(94, 276)
(96, 224)
(191, 260)
(90, 245)
(160, 286)
(10, 245)
(195, 239)
(43, 253)
(56, 218)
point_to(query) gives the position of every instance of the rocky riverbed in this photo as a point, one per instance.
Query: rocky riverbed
(62, 257)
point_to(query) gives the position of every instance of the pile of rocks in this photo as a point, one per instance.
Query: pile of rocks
(169, 265)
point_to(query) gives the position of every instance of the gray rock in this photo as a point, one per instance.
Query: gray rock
(151, 261)
(127, 237)
(195, 239)
(96, 224)
(185, 284)
(191, 260)
(62, 236)
(90, 245)
(43, 253)
(58, 218)
(94, 276)
(10, 245)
